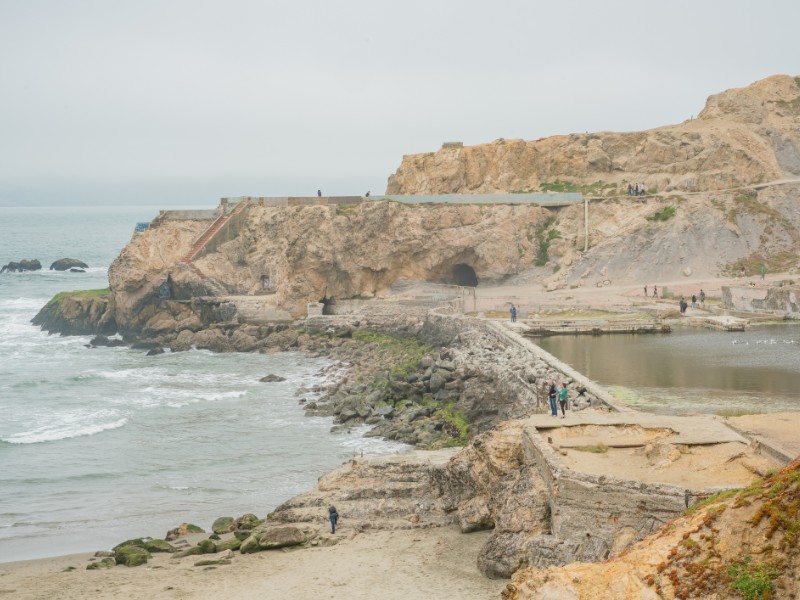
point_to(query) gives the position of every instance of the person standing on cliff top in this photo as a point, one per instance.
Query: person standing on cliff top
(552, 393)
(562, 399)
(333, 516)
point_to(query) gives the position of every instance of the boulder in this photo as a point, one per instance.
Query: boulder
(101, 340)
(223, 525)
(250, 545)
(155, 351)
(272, 378)
(66, 264)
(23, 265)
(280, 537)
(183, 529)
(229, 544)
(105, 563)
(131, 556)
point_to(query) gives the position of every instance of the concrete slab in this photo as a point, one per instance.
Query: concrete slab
(690, 430)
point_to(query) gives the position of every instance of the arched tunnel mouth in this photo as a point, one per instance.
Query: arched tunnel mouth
(463, 274)
(327, 305)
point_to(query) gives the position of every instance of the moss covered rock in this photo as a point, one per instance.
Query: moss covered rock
(131, 556)
(105, 563)
(223, 525)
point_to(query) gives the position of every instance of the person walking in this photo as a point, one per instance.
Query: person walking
(552, 394)
(763, 271)
(702, 298)
(645, 291)
(655, 291)
(513, 314)
(333, 516)
(694, 301)
(562, 399)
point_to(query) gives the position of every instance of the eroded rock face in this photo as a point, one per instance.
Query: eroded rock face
(743, 136)
(78, 314)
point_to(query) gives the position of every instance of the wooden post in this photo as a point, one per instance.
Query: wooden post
(585, 223)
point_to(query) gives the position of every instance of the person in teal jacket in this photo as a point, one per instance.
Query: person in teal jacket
(562, 399)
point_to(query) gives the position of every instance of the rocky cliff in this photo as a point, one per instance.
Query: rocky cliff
(742, 137)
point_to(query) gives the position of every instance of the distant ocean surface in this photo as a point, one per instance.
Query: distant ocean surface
(99, 445)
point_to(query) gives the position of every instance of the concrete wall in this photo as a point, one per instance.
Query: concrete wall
(773, 299)
(189, 215)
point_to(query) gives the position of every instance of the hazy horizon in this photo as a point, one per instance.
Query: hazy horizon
(181, 103)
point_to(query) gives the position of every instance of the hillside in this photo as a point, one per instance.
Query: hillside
(742, 137)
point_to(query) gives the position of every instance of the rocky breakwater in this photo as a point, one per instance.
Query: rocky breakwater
(455, 379)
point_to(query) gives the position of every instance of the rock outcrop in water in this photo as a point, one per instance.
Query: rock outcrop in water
(26, 264)
(78, 313)
(68, 264)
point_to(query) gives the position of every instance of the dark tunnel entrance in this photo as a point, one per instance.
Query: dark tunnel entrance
(327, 305)
(464, 275)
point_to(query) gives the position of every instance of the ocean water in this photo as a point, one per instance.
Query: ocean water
(100, 445)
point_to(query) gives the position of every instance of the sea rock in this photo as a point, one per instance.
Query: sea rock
(272, 378)
(65, 264)
(279, 537)
(223, 525)
(131, 556)
(25, 264)
(101, 340)
(183, 529)
(106, 562)
(155, 351)
(77, 270)
(78, 313)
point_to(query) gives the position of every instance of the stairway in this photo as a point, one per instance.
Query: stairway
(211, 232)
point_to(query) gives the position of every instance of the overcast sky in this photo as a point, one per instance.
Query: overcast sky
(182, 102)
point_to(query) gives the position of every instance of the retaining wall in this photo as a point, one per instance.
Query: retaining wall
(773, 299)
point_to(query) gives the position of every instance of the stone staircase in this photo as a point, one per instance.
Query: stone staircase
(209, 233)
(213, 287)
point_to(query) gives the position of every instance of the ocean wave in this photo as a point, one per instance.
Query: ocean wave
(54, 434)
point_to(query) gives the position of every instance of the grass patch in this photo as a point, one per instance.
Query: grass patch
(545, 234)
(101, 293)
(750, 266)
(455, 424)
(753, 580)
(664, 214)
(400, 355)
(600, 448)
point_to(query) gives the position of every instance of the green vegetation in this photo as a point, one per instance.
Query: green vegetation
(544, 236)
(402, 355)
(80, 293)
(600, 448)
(664, 214)
(750, 266)
(598, 188)
(753, 580)
(455, 424)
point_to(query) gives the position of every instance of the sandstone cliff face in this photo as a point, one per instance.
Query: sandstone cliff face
(311, 253)
(743, 136)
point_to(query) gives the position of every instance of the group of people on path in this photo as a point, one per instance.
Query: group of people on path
(561, 395)
(636, 189)
(683, 305)
(655, 291)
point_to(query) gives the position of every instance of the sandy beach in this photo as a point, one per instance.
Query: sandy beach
(406, 564)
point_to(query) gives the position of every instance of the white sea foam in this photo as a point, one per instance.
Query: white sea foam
(50, 433)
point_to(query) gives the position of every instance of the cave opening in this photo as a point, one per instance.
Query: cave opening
(464, 275)
(327, 305)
